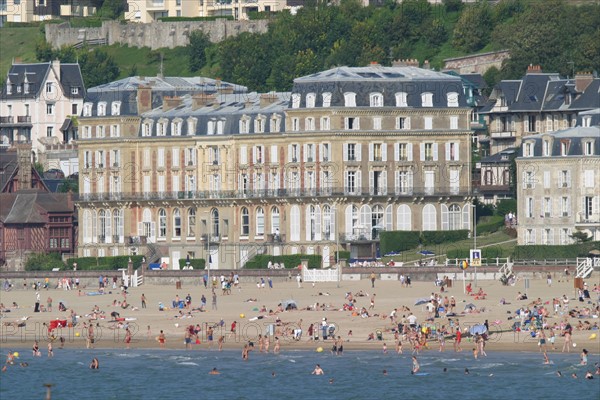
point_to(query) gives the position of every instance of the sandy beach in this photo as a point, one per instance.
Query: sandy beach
(237, 307)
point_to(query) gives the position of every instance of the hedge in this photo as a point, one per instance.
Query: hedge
(197, 263)
(439, 237)
(395, 241)
(344, 255)
(105, 263)
(487, 252)
(493, 224)
(290, 261)
(544, 252)
(177, 19)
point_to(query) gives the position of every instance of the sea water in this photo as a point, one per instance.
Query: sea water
(171, 374)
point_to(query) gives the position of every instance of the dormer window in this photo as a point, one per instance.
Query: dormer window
(528, 150)
(161, 127)
(210, 126)
(245, 125)
(8, 86)
(376, 100)
(147, 128)
(176, 127)
(310, 100)
(221, 126)
(259, 124)
(586, 121)
(327, 99)
(547, 148)
(564, 147)
(275, 124)
(402, 99)
(26, 86)
(588, 148)
(452, 99)
(87, 110)
(191, 125)
(115, 108)
(102, 109)
(427, 99)
(74, 90)
(295, 100)
(350, 99)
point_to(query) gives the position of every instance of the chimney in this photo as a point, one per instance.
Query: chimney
(144, 99)
(56, 68)
(582, 81)
(406, 63)
(374, 64)
(171, 102)
(534, 69)
(426, 64)
(221, 89)
(24, 163)
(200, 100)
(266, 99)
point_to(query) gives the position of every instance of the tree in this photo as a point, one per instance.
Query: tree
(473, 29)
(581, 237)
(453, 5)
(44, 51)
(97, 67)
(436, 33)
(113, 9)
(491, 77)
(196, 50)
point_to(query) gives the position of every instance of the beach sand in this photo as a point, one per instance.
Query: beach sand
(389, 295)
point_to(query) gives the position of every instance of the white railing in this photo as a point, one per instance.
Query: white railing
(485, 262)
(320, 275)
(134, 280)
(585, 266)
(506, 269)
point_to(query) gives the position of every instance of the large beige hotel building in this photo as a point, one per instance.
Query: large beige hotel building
(173, 167)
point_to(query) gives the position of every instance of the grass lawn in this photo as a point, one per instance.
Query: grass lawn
(17, 42)
(493, 242)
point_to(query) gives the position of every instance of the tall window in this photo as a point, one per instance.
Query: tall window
(214, 223)
(427, 99)
(404, 218)
(328, 223)
(260, 221)
(176, 223)
(245, 226)
(310, 100)
(191, 222)
(376, 100)
(162, 223)
(350, 99)
(274, 219)
(401, 99)
(454, 218)
(429, 218)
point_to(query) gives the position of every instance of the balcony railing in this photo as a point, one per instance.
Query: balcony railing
(272, 193)
(587, 219)
(502, 134)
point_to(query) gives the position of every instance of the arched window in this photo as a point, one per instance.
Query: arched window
(326, 99)
(104, 219)
(176, 223)
(260, 221)
(118, 224)
(366, 226)
(245, 219)
(351, 223)
(427, 99)
(191, 222)
(147, 227)
(214, 222)
(429, 218)
(404, 218)
(162, 223)
(295, 100)
(467, 216)
(313, 223)
(377, 221)
(350, 99)
(274, 220)
(455, 222)
(328, 223)
(295, 223)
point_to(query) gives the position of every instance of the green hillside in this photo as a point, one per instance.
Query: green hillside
(17, 42)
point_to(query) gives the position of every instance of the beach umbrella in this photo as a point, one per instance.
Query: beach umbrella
(426, 253)
(478, 329)
(470, 306)
(289, 303)
(422, 300)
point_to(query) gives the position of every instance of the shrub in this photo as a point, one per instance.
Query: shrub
(505, 206)
(290, 261)
(344, 255)
(177, 19)
(44, 262)
(487, 252)
(395, 241)
(197, 263)
(105, 263)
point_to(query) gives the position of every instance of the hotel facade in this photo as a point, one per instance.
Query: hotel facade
(218, 173)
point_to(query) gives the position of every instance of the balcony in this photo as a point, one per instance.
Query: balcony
(357, 237)
(133, 240)
(21, 120)
(584, 220)
(156, 5)
(498, 135)
(273, 238)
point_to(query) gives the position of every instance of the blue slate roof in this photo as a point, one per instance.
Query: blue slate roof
(35, 75)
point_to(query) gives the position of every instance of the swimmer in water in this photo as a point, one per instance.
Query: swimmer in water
(589, 375)
(214, 371)
(546, 359)
(24, 364)
(559, 374)
(318, 370)
(466, 371)
(95, 364)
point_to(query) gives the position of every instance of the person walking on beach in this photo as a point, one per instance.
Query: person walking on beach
(214, 300)
(457, 340)
(372, 306)
(568, 341)
(127, 337)
(373, 276)
(143, 300)
(162, 340)
(299, 280)
(277, 346)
